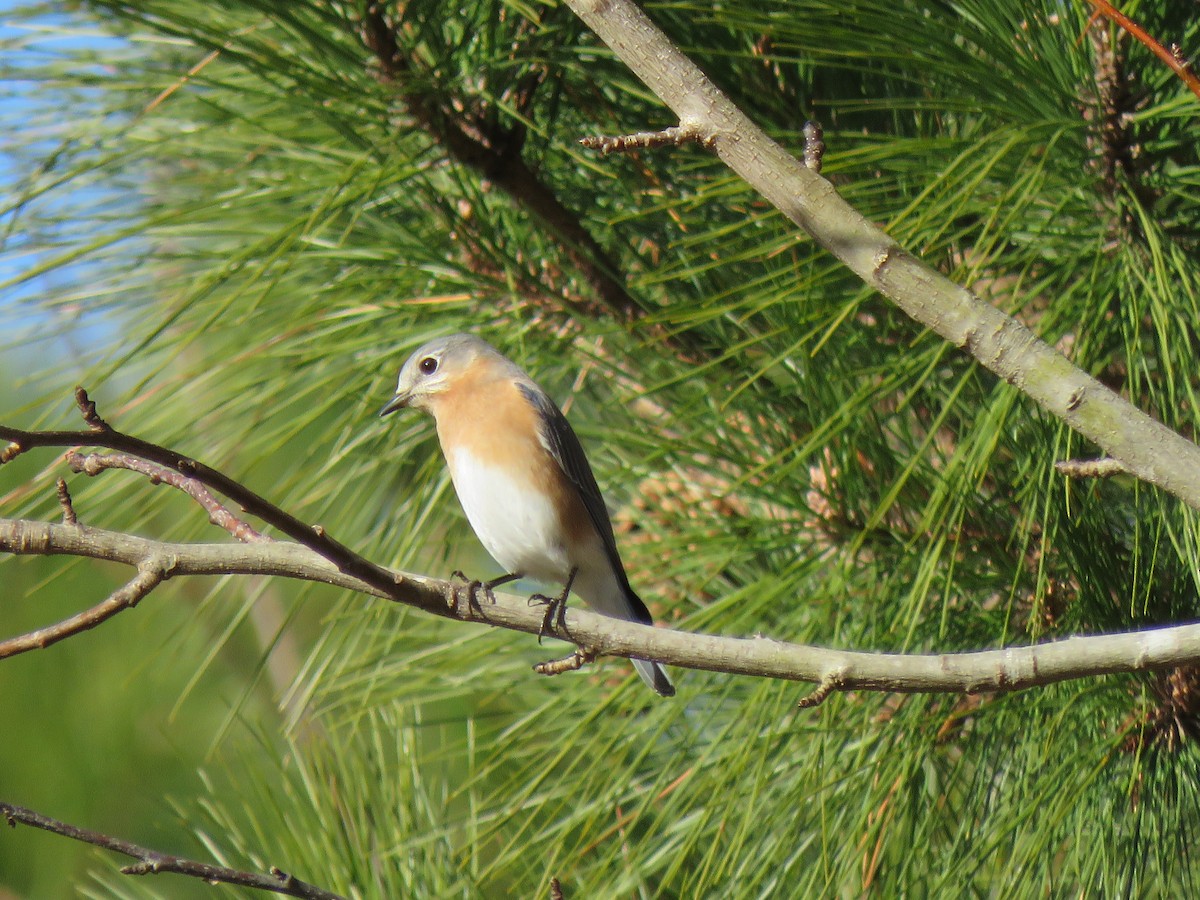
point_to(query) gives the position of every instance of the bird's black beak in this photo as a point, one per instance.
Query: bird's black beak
(398, 402)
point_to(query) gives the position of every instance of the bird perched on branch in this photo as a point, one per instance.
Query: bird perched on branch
(522, 478)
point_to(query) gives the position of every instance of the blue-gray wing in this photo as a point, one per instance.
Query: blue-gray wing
(564, 446)
(559, 438)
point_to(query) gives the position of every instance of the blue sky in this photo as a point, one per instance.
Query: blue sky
(33, 123)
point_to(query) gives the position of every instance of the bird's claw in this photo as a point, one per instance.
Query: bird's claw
(556, 608)
(556, 613)
(472, 587)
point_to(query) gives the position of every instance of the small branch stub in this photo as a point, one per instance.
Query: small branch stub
(1105, 467)
(87, 409)
(814, 146)
(675, 136)
(64, 500)
(577, 660)
(830, 683)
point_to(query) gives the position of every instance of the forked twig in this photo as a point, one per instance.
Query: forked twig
(154, 862)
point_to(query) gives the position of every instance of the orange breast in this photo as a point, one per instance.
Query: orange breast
(486, 416)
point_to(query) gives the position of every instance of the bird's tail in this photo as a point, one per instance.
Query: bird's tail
(652, 673)
(612, 596)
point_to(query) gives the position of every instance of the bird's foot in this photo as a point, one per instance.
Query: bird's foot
(464, 587)
(472, 588)
(556, 609)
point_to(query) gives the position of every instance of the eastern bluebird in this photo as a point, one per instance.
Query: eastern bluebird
(521, 476)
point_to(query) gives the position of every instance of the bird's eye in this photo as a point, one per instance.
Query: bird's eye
(428, 365)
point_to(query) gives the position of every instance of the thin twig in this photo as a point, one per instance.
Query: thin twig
(219, 514)
(151, 573)
(154, 862)
(1172, 56)
(101, 434)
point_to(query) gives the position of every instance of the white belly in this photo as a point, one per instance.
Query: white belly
(519, 527)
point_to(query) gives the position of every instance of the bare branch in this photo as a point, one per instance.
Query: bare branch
(992, 670)
(151, 573)
(317, 557)
(311, 536)
(219, 514)
(153, 862)
(1149, 449)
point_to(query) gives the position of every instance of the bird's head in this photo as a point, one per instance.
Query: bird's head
(434, 368)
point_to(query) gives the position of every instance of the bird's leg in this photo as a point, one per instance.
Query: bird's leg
(496, 582)
(474, 586)
(556, 607)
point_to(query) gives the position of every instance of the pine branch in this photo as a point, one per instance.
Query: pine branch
(1147, 448)
(318, 557)
(154, 862)
(101, 434)
(1006, 669)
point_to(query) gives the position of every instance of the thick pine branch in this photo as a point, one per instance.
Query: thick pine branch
(1147, 448)
(318, 557)
(992, 670)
